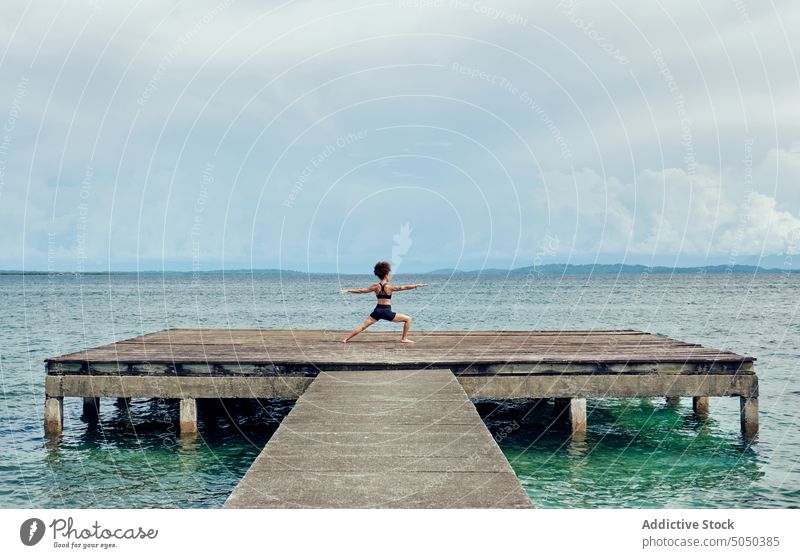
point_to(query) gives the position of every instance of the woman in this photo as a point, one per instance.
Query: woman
(383, 310)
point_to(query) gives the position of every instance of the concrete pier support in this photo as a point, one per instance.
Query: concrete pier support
(673, 401)
(573, 409)
(188, 416)
(91, 408)
(577, 414)
(53, 415)
(700, 406)
(748, 415)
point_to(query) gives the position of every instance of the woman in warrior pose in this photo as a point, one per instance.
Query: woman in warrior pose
(383, 310)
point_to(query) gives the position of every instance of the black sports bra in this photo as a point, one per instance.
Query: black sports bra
(383, 294)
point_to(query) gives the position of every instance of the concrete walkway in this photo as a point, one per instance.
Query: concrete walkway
(381, 439)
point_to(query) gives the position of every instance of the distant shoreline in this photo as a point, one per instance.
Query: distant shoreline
(548, 270)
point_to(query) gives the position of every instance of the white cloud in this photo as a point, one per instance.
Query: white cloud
(668, 212)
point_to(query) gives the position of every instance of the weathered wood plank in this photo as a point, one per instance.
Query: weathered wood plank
(459, 368)
(267, 351)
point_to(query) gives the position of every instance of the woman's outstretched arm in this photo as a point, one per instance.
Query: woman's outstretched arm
(358, 291)
(409, 287)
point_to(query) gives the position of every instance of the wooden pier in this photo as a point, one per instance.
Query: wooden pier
(567, 365)
(381, 439)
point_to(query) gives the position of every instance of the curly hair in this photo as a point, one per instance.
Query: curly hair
(382, 269)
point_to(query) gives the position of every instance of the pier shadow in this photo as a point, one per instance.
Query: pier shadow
(637, 454)
(144, 452)
(218, 419)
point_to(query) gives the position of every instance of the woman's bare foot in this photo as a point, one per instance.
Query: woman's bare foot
(344, 340)
(406, 341)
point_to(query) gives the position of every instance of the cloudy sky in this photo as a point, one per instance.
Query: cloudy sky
(326, 135)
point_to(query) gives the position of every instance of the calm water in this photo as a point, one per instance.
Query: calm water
(637, 453)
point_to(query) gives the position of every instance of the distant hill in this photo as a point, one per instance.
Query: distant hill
(159, 272)
(609, 269)
(547, 269)
(451, 271)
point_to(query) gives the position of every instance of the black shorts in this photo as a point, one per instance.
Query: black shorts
(383, 312)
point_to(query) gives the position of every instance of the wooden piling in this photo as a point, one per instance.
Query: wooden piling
(700, 406)
(577, 414)
(748, 415)
(53, 415)
(188, 416)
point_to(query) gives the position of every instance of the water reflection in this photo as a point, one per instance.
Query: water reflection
(660, 452)
(138, 445)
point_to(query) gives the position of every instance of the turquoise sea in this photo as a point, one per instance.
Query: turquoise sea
(637, 453)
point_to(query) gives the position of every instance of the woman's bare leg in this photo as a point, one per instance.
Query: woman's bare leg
(368, 322)
(406, 326)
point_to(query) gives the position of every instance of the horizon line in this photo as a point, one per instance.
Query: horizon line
(432, 271)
